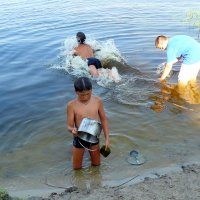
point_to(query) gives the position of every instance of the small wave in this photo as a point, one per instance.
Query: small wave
(134, 90)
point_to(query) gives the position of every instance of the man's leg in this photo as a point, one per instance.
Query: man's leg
(195, 72)
(188, 73)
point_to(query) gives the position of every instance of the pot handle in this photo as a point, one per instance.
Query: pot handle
(86, 147)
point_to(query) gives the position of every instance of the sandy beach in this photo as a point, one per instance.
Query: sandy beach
(183, 183)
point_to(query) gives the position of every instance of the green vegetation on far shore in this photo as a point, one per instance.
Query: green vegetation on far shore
(193, 18)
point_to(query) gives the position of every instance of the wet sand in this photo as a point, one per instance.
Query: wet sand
(181, 183)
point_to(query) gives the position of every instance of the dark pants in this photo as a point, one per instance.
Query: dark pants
(94, 61)
(86, 144)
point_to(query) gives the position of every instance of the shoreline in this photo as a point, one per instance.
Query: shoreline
(177, 183)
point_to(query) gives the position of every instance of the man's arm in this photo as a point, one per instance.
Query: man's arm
(166, 71)
(168, 67)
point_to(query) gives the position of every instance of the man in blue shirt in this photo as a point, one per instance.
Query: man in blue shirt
(180, 48)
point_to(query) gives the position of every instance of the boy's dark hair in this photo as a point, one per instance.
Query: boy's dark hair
(80, 37)
(82, 84)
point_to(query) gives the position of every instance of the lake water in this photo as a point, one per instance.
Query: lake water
(36, 83)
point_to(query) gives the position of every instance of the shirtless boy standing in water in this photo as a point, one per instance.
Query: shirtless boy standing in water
(85, 51)
(85, 106)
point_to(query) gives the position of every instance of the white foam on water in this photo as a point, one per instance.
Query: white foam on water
(76, 66)
(107, 76)
(108, 50)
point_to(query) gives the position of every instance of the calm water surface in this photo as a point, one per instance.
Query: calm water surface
(35, 147)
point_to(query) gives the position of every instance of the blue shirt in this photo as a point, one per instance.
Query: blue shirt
(184, 47)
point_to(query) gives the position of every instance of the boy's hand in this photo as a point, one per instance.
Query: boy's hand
(107, 144)
(75, 131)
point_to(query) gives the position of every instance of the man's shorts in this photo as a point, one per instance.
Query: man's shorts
(79, 143)
(188, 72)
(94, 61)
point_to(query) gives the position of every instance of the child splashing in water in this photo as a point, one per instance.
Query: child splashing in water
(86, 52)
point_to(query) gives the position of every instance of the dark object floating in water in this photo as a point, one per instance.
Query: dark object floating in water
(105, 152)
(136, 158)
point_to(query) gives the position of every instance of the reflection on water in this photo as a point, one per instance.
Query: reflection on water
(190, 92)
(180, 96)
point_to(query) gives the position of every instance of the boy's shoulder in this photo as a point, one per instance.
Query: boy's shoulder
(72, 102)
(97, 98)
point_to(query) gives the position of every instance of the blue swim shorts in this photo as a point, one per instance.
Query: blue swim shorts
(94, 61)
(77, 141)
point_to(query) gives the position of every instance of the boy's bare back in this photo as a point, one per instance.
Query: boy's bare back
(84, 51)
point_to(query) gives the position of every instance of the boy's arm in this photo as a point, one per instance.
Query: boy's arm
(71, 119)
(104, 123)
(95, 50)
(74, 53)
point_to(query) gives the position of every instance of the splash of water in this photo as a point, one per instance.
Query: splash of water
(78, 67)
(107, 77)
(160, 68)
